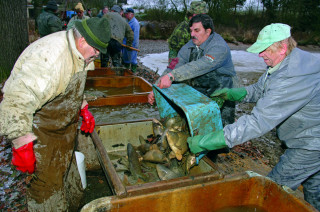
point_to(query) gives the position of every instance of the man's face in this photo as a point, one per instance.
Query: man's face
(128, 16)
(271, 58)
(105, 10)
(199, 34)
(80, 14)
(88, 52)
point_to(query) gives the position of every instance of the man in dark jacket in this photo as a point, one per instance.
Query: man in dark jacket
(47, 21)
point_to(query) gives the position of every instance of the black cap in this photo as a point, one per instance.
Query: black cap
(52, 5)
(129, 10)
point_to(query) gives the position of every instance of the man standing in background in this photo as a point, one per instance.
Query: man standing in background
(181, 35)
(80, 16)
(48, 22)
(129, 57)
(104, 11)
(120, 29)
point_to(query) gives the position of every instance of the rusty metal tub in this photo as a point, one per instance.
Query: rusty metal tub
(232, 193)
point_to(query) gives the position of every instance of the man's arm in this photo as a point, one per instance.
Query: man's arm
(25, 92)
(284, 97)
(215, 57)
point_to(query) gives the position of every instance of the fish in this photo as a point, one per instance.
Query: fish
(175, 124)
(155, 155)
(190, 162)
(178, 142)
(157, 127)
(165, 173)
(134, 164)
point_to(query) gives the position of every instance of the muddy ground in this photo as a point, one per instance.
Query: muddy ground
(265, 150)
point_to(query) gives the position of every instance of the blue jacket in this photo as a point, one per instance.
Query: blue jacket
(131, 56)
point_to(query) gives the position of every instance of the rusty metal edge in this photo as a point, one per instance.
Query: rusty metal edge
(105, 162)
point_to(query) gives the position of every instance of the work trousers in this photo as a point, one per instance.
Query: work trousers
(300, 166)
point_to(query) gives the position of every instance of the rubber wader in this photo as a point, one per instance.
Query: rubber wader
(56, 124)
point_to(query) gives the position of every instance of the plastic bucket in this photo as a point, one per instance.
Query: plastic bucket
(82, 168)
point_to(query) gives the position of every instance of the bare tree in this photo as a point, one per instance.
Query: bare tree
(14, 33)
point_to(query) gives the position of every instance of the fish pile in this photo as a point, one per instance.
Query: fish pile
(162, 156)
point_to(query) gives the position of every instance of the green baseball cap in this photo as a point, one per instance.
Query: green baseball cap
(198, 7)
(96, 31)
(269, 35)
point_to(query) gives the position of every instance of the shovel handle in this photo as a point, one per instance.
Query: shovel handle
(129, 47)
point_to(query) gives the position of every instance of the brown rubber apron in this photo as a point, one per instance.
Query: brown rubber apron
(55, 125)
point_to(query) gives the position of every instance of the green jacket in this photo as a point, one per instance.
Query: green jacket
(48, 23)
(120, 28)
(179, 37)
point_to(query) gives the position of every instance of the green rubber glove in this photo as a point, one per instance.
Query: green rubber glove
(210, 141)
(231, 94)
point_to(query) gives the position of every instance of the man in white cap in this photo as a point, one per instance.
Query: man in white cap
(287, 98)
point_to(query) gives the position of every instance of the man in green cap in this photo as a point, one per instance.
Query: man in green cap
(287, 98)
(43, 99)
(181, 35)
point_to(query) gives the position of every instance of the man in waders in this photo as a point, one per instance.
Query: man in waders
(43, 99)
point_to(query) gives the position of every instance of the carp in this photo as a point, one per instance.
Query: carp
(134, 164)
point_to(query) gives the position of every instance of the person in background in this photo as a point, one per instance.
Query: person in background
(120, 29)
(80, 16)
(129, 57)
(89, 13)
(48, 22)
(43, 99)
(104, 11)
(204, 63)
(287, 98)
(181, 35)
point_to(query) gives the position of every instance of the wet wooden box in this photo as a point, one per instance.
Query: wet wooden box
(116, 90)
(110, 138)
(108, 71)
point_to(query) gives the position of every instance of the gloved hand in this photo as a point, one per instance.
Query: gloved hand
(151, 98)
(210, 141)
(88, 121)
(231, 94)
(23, 158)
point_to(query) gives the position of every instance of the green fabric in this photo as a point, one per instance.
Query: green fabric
(211, 141)
(269, 35)
(179, 37)
(198, 7)
(231, 94)
(96, 31)
(48, 23)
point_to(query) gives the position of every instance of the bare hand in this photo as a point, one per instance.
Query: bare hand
(151, 98)
(165, 82)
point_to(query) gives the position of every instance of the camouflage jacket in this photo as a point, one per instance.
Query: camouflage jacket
(48, 23)
(120, 28)
(180, 36)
